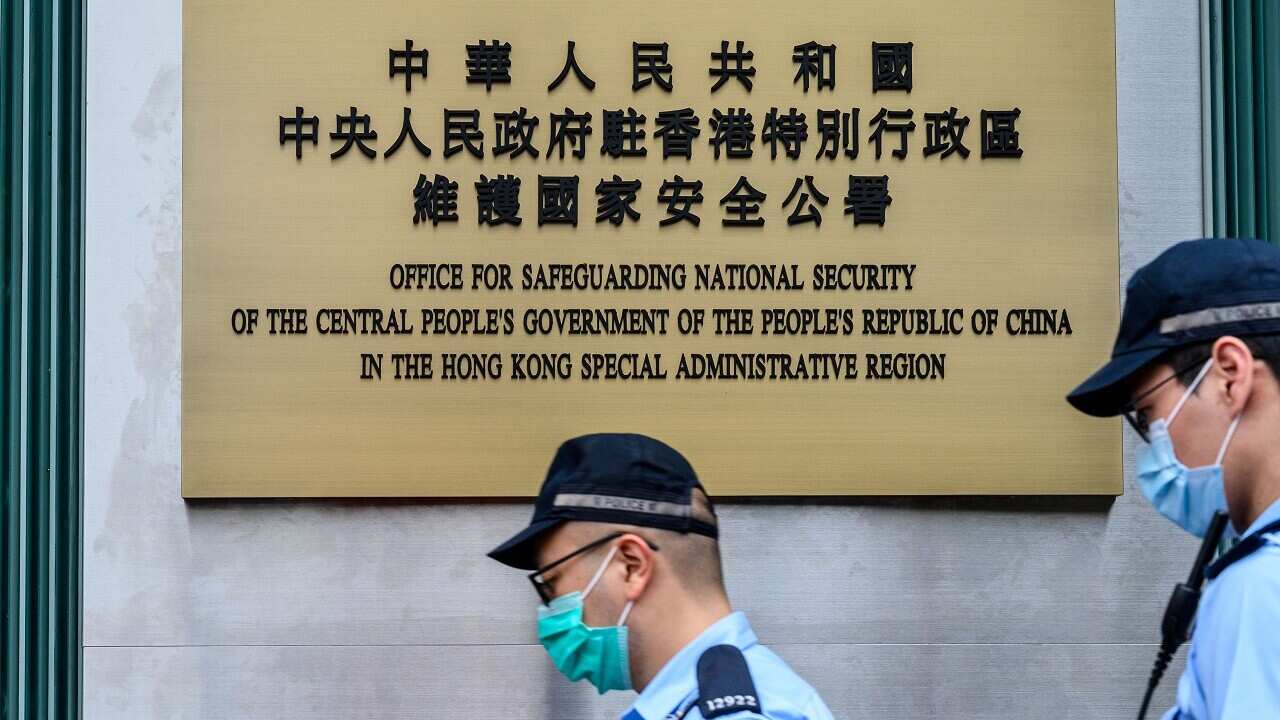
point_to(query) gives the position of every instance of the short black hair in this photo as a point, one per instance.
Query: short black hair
(1263, 347)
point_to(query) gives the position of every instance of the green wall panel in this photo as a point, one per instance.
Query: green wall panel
(42, 201)
(1242, 86)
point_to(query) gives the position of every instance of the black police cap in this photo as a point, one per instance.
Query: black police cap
(1194, 292)
(618, 478)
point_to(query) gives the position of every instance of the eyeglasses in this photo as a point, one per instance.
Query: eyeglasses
(544, 588)
(1138, 418)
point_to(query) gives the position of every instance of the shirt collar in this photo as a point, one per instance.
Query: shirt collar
(1267, 517)
(678, 678)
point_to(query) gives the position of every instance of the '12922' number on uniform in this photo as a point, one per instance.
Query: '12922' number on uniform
(729, 701)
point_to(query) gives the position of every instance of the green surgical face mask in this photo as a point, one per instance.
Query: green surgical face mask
(598, 654)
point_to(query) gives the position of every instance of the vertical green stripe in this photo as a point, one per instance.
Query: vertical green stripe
(1257, 44)
(1218, 207)
(1206, 126)
(1232, 198)
(40, 140)
(11, 131)
(1243, 118)
(68, 354)
(1269, 51)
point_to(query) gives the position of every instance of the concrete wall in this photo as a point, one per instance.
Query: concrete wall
(966, 608)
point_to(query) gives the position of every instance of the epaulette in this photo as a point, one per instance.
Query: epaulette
(724, 683)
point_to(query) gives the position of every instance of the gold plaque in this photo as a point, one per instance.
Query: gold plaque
(903, 258)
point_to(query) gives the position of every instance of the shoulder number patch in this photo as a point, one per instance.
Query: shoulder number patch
(724, 683)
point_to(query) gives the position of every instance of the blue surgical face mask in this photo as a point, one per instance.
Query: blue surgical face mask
(1187, 496)
(598, 654)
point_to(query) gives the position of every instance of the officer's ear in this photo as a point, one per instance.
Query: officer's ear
(638, 561)
(1235, 370)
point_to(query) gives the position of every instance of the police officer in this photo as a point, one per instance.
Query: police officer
(625, 559)
(1195, 371)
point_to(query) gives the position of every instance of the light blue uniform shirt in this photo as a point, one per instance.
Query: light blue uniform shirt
(1233, 671)
(782, 694)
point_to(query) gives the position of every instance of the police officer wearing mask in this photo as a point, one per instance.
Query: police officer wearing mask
(624, 553)
(1196, 371)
